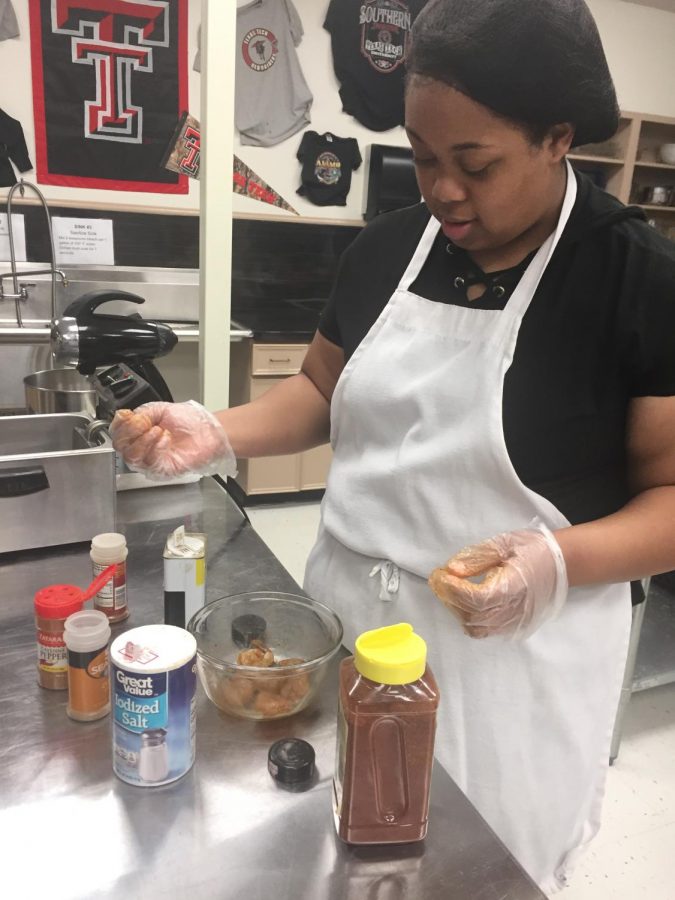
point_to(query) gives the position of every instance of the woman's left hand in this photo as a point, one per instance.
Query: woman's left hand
(524, 583)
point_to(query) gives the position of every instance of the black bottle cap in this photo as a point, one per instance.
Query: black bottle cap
(248, 628)
(291, 761)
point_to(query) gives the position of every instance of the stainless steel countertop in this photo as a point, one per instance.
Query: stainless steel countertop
(70, 828)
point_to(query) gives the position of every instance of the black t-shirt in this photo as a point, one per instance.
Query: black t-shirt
(12, 147)
(327, 165)
(370, 40)
(600, 330)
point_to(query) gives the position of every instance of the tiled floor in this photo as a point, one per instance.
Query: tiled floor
(633, 857)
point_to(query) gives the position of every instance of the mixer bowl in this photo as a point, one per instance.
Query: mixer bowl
(60, 391)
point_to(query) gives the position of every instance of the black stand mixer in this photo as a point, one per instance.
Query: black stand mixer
(87, 340)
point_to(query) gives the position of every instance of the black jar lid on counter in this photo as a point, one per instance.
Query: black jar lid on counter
(290, 761)
(247, 628)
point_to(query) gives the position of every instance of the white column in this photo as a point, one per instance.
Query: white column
(215, 199)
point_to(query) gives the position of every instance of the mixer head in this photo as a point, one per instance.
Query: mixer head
(86, 340)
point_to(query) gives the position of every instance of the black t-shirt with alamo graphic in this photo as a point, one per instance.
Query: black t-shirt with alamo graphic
(370, 40)
(327, 164)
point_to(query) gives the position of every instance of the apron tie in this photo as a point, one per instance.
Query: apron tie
(390, 577)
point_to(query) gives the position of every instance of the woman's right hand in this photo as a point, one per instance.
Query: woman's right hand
(165, 440)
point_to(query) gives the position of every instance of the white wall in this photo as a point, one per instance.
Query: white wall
(640, 46)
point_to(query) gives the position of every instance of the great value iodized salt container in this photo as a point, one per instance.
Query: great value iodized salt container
(154, 679)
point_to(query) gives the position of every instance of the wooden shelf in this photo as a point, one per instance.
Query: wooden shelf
(298, 220)
(643, 164)
(587, 157)
(639, 133)
(656, 207)
(104, 206)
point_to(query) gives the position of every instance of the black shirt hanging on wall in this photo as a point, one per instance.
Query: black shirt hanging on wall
(12, 147)
(327, 165)
(370, 40)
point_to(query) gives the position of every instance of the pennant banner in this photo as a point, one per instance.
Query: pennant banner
(184, 152)
(183, 155)
(109, 82)
(247, 182)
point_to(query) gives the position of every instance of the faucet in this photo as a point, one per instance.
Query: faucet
(21, 291)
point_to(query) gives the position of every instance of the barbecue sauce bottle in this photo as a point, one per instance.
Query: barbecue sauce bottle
(388, 699)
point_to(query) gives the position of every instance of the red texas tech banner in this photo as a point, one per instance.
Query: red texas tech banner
(109, 82)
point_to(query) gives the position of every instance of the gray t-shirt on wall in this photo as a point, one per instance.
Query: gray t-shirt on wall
(272, 100)
(9, 27)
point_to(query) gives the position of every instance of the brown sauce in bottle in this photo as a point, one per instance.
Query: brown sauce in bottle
(384, 757)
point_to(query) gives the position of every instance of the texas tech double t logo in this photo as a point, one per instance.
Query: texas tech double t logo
(116, 38)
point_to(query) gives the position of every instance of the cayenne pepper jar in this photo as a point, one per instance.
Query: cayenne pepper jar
(53, 604)
(388, 699)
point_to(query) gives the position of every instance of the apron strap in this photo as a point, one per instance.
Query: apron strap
(520, 299)
(419, 256)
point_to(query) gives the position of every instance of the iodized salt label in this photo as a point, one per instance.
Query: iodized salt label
(154, 679)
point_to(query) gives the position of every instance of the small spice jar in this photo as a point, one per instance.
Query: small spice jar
(108, 549)
(53, 605)
(86, 635)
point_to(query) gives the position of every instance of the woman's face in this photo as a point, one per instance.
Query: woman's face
(480, 175)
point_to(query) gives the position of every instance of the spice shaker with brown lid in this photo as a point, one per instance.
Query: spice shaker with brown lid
(106, 549)
(388, 699)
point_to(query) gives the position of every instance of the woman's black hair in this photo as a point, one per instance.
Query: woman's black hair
(535, 62)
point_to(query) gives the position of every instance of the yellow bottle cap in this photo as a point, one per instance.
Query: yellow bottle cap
(391, 655)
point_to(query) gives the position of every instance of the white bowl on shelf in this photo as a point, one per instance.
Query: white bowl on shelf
(667, 153)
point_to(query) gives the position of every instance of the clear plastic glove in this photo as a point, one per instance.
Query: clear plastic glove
(524, 583)
(164, 440)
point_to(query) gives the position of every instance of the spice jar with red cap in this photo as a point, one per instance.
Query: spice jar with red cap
(53, 605)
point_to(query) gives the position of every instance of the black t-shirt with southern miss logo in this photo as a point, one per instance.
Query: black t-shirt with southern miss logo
(370, 40)
(327, 165)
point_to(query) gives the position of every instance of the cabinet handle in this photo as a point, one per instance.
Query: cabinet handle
(272, 359)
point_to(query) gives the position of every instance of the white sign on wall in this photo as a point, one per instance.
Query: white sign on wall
(19, 235)
(83, 241)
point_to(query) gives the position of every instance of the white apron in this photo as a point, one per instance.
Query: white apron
(420, 470)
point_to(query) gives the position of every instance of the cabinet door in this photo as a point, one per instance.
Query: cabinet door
(270, 474)
(314, 465)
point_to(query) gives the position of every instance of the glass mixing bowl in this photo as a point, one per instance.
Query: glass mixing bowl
(263, 654)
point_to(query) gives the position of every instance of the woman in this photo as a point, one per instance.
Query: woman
(496, 370)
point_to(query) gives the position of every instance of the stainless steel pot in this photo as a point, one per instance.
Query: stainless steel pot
(657, 196)
(60, 391)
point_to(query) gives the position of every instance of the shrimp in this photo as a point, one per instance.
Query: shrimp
(128, 426)
(295, 687)
(237, 691)
(263, 659)
(270, 705)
